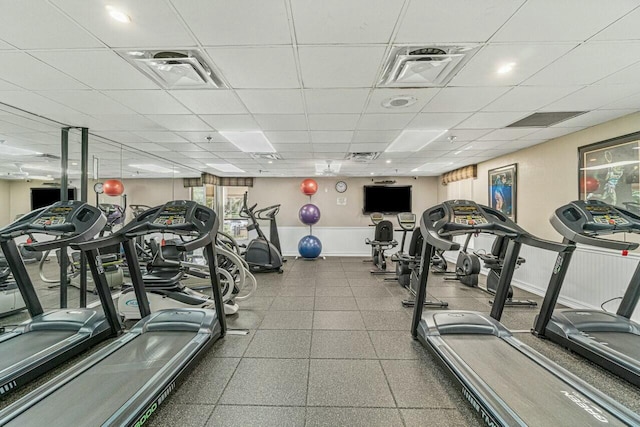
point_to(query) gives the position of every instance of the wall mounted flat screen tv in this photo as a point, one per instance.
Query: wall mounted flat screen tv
(41, 197)
(387, 199)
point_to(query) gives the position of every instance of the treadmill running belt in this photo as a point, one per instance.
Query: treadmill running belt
(623, 342)
(537, 396)
(91, 398)
(26, 345)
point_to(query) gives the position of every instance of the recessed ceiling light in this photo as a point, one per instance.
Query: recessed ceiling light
(249, 142)
(388, 161)
(270, 161)
(506, 68)
(151, 168)
(457, 152)
(371, 173)
(414, 140)
(224, 167)
(118, 15)
(74, 163)
(399, 101)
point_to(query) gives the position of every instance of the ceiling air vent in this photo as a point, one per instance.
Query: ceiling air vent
(362, 157)
(424, 66)
(266, 156)
(543, 120)
(174, 69)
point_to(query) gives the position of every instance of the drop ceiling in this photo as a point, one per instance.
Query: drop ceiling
(305, 73)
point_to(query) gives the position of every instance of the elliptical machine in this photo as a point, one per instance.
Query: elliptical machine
(261, 254)
(269, 214)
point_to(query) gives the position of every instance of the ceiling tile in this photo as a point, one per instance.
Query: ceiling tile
(375, 136)
(120, 136)
(631, 102)
(335, 149)
(210, 101)
(88, 101)
(339, 66)
(179, 148)
(462, 135)
(282, 121)
(482, 69)
(458, 21)
(125, 122)
(257, 67)
(99, 69)
(147, 147)
(153, 23)
(506, 134)
(625, 28)
(490, 120)
(335, 100)
(334, 21)
(384, 121)
(368, 147)
(463, 99)
(26, 71)
(34, 103)
(484, 145)
(148, 101)
(521, 144)
(201, 137)
(593, 97)
(240, 22)
(578, 66)
(328, 136)
(437, 120)
(8, 86)
(296, 148)
(552, 132)
(625, 76)
(272, 101)
(333, 121)
(378, 96)
(157, 136)
(549, 20)
(231, 122)
(288, 137)
(38, 25)
(529, 98)
(178, 122)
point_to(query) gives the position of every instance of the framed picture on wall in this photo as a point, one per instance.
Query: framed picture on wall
(503, 189)
(608, 171)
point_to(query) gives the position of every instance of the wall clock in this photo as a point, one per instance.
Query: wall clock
(341, 186)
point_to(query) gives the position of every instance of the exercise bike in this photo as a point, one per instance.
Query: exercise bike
(260, 254)
(468, 269)
(383, 241)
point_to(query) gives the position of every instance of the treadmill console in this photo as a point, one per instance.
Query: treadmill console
(171, 214)
(467, 213)
(74, 220)
(582, 221)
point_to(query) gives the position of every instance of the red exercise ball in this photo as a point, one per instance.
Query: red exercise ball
(113, 187)
(589, 185)
(309, 186)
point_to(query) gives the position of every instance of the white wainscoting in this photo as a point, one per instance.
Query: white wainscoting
(336, 241)
(594, 276)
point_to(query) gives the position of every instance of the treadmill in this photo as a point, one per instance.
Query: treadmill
(610, 340)
(48, 339)
(507, 382)
(124, 383)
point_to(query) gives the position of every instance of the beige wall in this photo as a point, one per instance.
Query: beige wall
(5, 216)
(547, 175)
(286, 192)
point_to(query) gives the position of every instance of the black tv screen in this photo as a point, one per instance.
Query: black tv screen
(387, 199)
(41, 197)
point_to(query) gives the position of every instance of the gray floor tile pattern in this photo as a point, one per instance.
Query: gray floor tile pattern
(329, 345)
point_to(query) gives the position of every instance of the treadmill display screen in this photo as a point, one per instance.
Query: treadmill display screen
(54, 216)
(605, 215)
(468, 215)
(172, 215)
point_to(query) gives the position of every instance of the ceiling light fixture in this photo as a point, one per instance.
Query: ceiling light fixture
(399, 101)
(388, 161)
(118, 15)
(225, 167)
(249, 142)
(414, 140)
(457, 152)
(151, 168)
(506, 68)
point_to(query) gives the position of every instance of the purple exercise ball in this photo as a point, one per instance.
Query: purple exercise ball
(309, 214)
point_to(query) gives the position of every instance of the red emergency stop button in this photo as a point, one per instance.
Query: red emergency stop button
(48, 222)
(625, 252)
(612, 222)
(168, 222)
(471, 222)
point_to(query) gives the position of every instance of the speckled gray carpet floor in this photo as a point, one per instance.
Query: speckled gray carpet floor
(329, 345)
